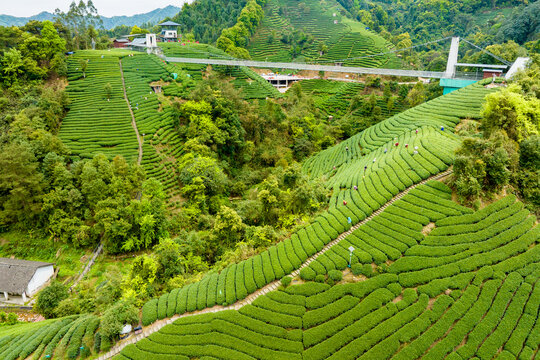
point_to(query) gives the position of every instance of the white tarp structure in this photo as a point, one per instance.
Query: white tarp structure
(126, 329)
(519, 64)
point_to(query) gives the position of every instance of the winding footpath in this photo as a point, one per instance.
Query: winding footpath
(156, 326)
(133, 123)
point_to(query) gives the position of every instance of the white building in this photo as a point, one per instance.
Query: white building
(23, 277)
(169, 31)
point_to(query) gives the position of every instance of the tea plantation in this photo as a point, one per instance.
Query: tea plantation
(442, 113)
(105, 126)
(160, 141)
(94, 123)
(344, 40)
(334, 97)
(427, 277)
(361, 186)
(469, 289)
(68, 338)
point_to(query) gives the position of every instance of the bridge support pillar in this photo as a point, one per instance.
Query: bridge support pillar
(452, 58)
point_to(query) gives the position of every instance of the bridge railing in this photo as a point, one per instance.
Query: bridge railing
(469, 75)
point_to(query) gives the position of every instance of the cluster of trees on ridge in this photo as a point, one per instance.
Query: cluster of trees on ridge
(504, 147)
(235, 39)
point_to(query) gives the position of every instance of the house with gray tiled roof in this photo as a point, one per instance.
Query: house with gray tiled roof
(22, 277)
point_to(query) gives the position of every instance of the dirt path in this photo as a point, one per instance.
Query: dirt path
(156, 326)
(133, 123)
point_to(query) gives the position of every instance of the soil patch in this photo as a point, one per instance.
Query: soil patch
(427, 229)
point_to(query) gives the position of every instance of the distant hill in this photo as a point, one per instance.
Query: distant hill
(153, 16)
(8, 20)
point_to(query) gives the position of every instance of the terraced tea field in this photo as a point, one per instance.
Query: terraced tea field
(361, 185)
(68, 338)
(344, 39)
(441, 113)
(431, 278)
(468, 289)
(428, 278)
(334, 97)
(95, 124)
(161, 144)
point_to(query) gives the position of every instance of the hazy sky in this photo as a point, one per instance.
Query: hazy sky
(104, 7)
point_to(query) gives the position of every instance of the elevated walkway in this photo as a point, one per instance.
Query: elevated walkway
(303, 66)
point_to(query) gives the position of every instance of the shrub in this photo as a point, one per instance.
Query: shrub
(171, 302)
(105, 344)
(357, 268)
(12, 318)
(395, 288)
(307, 274)
(149, 312)
(335, 275)
(286, 281)
(367, 270)
(115, 317)
(320, 278)
(162, 306)
(49, 298)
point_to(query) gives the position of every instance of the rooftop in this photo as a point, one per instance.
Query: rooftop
(138, 42)
(15, 274)
(168, 23)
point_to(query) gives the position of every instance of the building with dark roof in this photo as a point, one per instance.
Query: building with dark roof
(23, 277)
(120, 43)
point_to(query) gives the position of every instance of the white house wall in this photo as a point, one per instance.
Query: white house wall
(41, 276)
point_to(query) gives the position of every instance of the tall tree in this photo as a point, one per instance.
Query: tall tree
(81, 19)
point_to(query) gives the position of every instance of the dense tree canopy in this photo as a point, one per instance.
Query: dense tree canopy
(506, 151)
(205, 19)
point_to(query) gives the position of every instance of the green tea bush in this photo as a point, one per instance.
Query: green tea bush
(286, 281)
(162, 306)
(357, 269)
(150, 312)
(307, 274)
(335, 275)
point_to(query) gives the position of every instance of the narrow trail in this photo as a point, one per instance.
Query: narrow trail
(133, 123)
(156, 326)
(88, 266)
